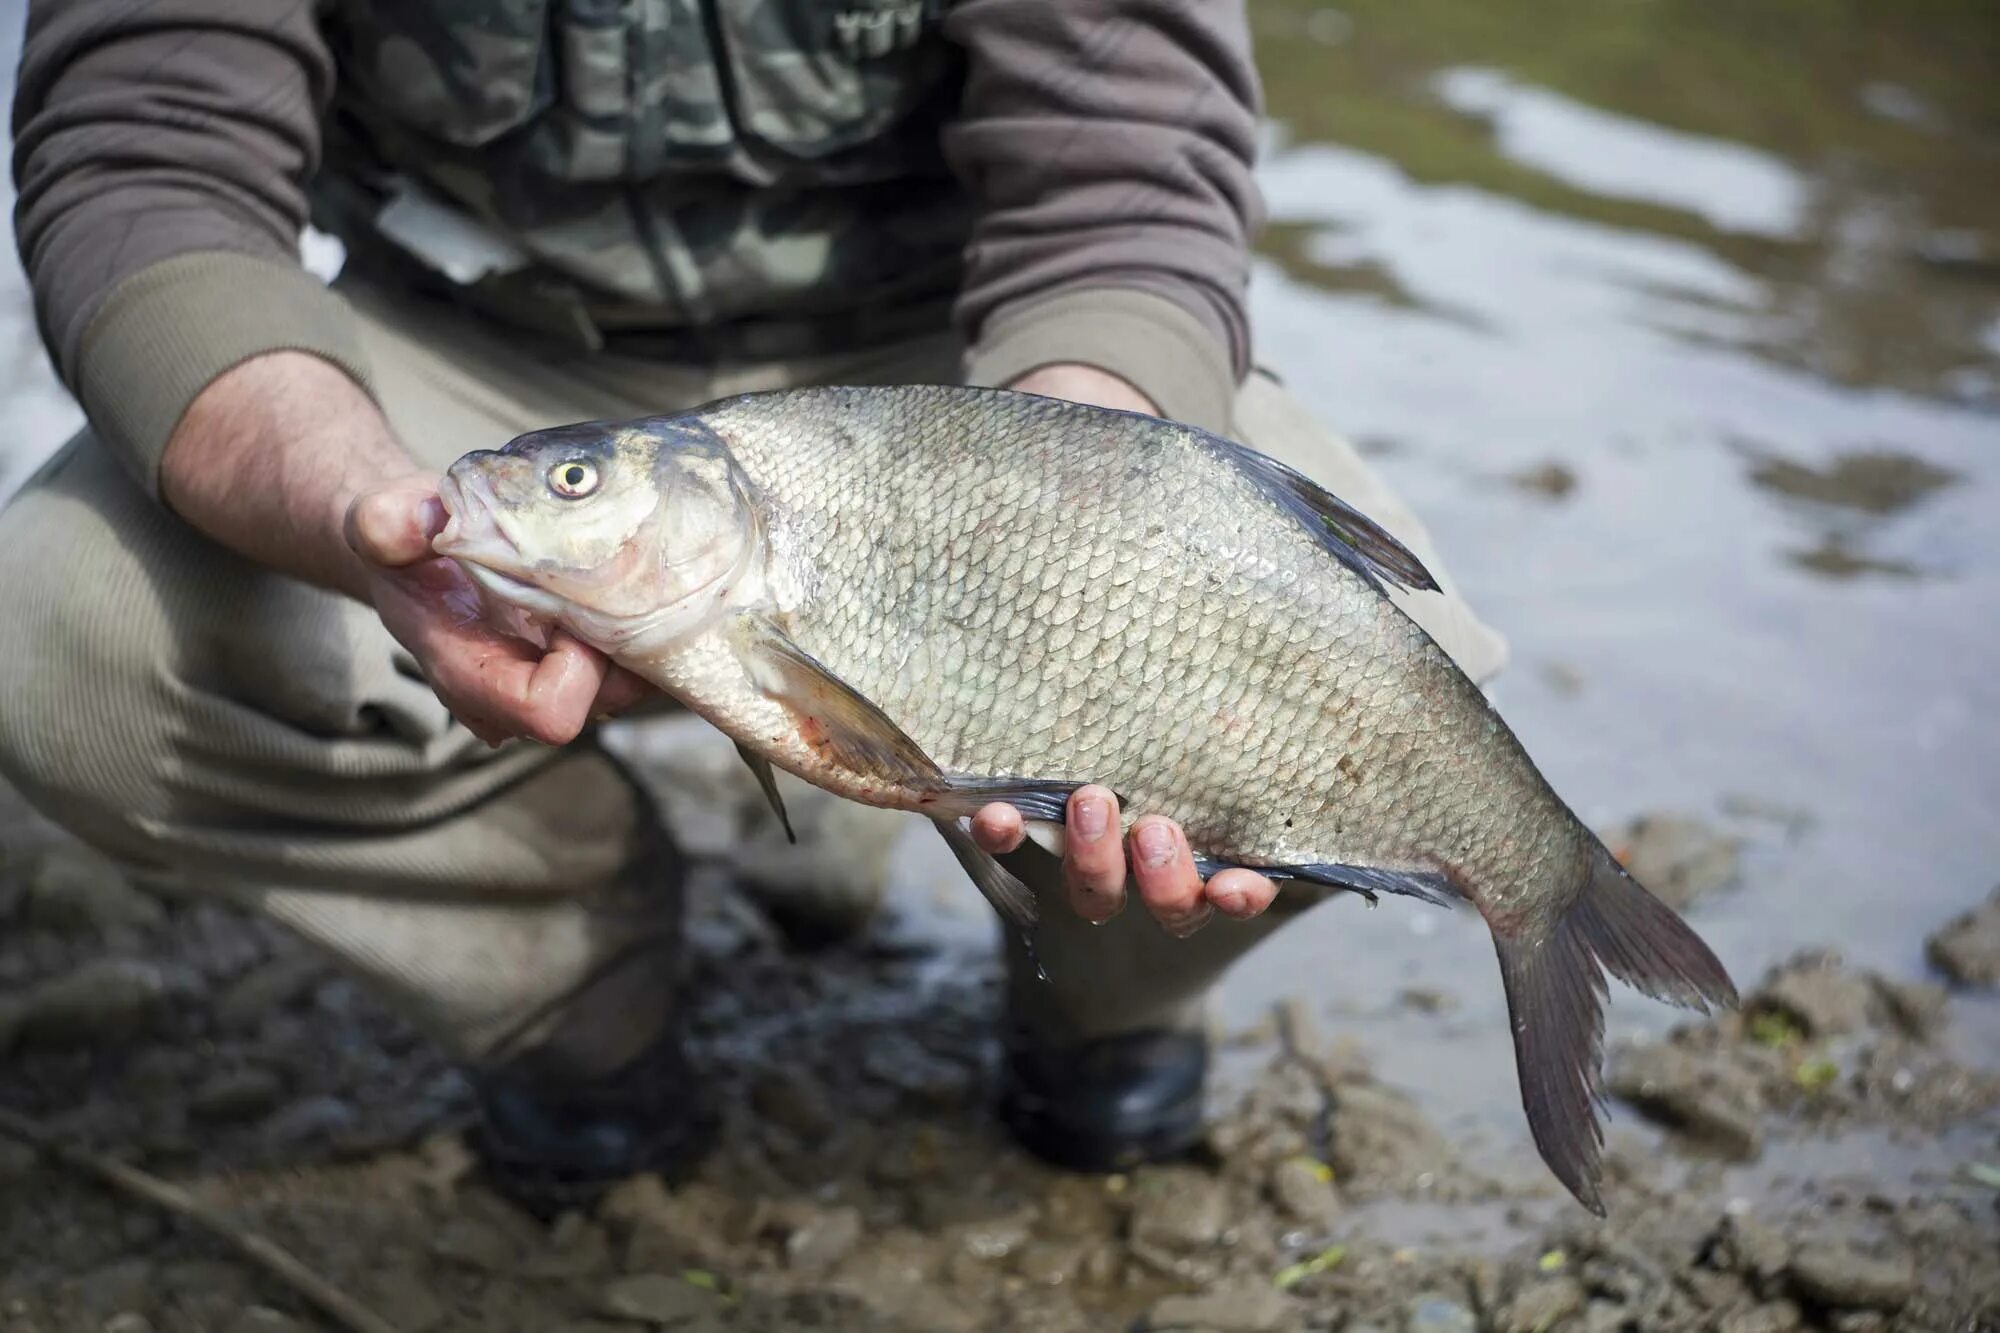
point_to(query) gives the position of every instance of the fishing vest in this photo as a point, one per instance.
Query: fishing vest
(722, 177)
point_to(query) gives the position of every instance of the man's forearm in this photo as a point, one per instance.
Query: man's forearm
(268, 457)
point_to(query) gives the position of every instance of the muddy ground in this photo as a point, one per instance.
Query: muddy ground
(1828, 1157)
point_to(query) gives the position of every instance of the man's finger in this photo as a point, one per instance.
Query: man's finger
(1094, 854)
(393, 526)
(561, 690)
(1163, 866)
(998, 828)
(621, 690)
(1239, 892)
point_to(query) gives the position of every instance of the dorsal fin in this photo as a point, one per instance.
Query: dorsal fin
(1349, 535)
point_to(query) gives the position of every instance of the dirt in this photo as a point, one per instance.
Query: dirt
(1824, 1158)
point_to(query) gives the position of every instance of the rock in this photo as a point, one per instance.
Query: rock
(1680, 860)
(1821, 997)
(1048, 1263)
(823, 1240)
(1244, 1308)
(1967, 949)
(263, 1319)
(104, 1000)
(665, 1231)
(406, 1299)
(1747, 1246)
(119, 1288)
(1432, 1312)
(237, 1094)
(1382, 1136)
(310, 1122)
(1602, 1316)
(73, 889)
(1177, 1210)
(656, 1298)
(1837, 1274)
(278, 984)
(997, 1237)
(128, 1321)
(577, 1247)
(793, 1103)
(17, 1163)
(1706, 1100)
(1542, 1305)
(906, 1065)
(1303, 1191)
(1770, 1317)
(469, 1242)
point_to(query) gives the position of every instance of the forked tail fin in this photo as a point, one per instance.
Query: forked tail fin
(1555, 1000)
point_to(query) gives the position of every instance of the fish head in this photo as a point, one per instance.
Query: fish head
(612, 529)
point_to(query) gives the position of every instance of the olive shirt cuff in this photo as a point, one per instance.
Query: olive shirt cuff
(1153, 343)
(165, 333)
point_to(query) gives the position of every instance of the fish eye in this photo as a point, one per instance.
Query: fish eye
(573, 479)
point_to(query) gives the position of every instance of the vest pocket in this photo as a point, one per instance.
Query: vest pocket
(813, 77)
(466, 82)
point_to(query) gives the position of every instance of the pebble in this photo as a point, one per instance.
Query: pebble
(1431, 1312)
(1048, 1263)
(1244, 1308)
(263, 1319)
(1837, 1274)
(73, 889)
(17, 1162)
(1177, 1208)
(236, 1094)
(656, 1298)
(795, 1104)
(1967, 949)
(1820, 997)
(120, 1287)
(309, 1122)
(1606, 1317)
(475, 1244)
(1685, 1093)
(266, 988)
(1542, 1305)
(1752, 1248)
(823, 1240)
(1770, 1317)
(104, 1000)
(1303, 1190)
(128, 1321)
(1679, 859)
(406, 1299)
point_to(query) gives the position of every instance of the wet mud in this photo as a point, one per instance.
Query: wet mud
(1829, 1156)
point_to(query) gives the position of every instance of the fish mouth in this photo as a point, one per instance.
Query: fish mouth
(472, 536)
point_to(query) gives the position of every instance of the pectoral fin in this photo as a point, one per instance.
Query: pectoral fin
(833, 717)
(767, 778)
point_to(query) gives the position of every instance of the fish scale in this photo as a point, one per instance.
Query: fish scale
(935, 597)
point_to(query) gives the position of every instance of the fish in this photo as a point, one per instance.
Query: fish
(931, 597)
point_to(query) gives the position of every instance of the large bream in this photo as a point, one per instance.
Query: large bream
(930, 598)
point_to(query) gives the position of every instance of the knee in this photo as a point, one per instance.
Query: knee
(80, 717)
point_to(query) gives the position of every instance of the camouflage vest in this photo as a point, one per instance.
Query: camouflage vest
(710, 170)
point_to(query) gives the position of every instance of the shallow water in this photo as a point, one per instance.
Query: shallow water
(1681, 328)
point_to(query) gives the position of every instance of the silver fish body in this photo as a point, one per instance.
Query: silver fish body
(931, 597)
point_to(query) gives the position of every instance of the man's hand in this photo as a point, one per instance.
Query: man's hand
(499, 685)
(286, 461)
(1095, 856)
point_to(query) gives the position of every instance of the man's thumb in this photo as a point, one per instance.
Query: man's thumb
(394, 526)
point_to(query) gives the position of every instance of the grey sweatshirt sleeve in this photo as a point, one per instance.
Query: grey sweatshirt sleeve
(161, 151)
(1110, 145)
